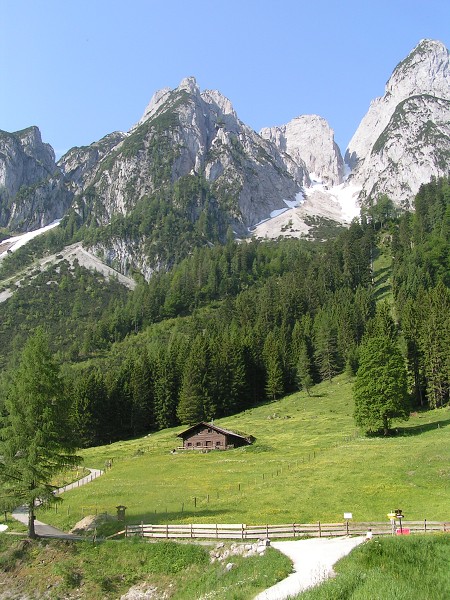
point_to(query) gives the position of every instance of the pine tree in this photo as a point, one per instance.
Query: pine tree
(326, 345)
(435, 344)
(194, 394)
(380, 388)
(303, 370)
(273, 365)
(35, 438)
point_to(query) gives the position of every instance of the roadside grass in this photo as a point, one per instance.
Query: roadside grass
(391, 568)
(308, 463)
(61, 569)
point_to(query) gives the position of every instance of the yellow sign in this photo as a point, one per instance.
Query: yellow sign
(391, 515)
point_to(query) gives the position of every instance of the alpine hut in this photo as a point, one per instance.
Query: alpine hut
(207, 436)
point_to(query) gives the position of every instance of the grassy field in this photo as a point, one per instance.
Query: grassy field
(308, 463)
(415, 568)
(57, 569)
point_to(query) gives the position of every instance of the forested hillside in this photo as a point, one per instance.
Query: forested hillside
(233, 325)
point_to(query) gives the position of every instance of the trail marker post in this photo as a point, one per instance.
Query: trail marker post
(347, 517)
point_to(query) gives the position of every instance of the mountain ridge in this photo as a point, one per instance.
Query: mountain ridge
(191, 155)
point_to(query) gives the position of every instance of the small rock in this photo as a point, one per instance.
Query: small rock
(229, 566)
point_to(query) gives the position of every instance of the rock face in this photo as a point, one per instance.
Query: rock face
(78, 163)
(32, 190)
(403, 140)
(309, 139)
(186, 132)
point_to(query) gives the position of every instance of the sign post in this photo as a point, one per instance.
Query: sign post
(347, 516)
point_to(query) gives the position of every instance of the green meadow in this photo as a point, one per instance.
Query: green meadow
(308, 463)
(391, 568)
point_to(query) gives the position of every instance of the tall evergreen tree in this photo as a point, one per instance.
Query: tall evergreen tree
(273, 365)
(35, 438)
(303, 370)
(194, 404)
(435, 345)
(325, 343)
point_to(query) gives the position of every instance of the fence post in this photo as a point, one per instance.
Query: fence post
(192, 534)
(126, 530)
(346, 526)
(425, 525)
(242, 531)
(167, 530)
(320, 530)
(142, 528)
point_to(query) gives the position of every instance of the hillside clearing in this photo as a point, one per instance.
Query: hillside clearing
(308, 464)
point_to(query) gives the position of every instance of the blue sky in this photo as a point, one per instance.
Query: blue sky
(80, 69)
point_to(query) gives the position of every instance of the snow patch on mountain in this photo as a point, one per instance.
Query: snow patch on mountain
(345, 195)
(14, 243)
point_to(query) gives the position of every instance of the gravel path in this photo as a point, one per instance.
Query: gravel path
(313, 563)
(44, 530)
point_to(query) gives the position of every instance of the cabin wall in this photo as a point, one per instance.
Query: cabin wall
(205, 438)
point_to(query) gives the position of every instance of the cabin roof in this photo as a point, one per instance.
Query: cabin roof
(211, 426)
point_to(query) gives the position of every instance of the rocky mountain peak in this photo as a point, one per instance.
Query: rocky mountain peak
(215, 97)
(309, 140)
(426, 70)
(30, 140)
(189, 84)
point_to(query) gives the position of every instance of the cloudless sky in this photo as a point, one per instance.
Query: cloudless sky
(80, 69)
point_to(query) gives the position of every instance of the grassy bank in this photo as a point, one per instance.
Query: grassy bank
(58, 569)
(414, 568)
(308, 463)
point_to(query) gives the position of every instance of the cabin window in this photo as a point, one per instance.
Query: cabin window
(199, 443)
(218, 443)
(208, 443)
(209, 430)
(189, 444)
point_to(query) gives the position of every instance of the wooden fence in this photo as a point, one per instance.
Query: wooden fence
(240, 531)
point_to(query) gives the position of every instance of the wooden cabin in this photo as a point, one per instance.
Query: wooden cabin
(207, 436)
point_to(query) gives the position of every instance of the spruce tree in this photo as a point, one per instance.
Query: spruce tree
(303, 370)
(35, 438)
(273, 366)
(194, 404)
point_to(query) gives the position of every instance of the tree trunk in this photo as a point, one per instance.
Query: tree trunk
(31, 517)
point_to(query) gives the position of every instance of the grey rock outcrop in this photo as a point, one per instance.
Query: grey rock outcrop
(403, 140)
(186, 132)
(78, 163)
(32, 189)
(309, 140)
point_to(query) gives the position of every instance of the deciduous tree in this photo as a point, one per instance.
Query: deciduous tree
(381, 385)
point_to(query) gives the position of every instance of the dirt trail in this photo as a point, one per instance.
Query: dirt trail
(313, 563)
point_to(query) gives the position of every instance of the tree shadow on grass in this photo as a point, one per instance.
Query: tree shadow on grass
(189, 516)
(418, 429)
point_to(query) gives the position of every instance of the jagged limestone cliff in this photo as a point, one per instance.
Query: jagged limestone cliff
(32, 189)
(403, 140)
(309, 140)
(183, 133)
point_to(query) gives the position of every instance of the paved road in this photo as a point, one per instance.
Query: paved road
(44, 530)
(313, 563)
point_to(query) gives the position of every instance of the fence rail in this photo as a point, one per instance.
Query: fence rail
(248, 532)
